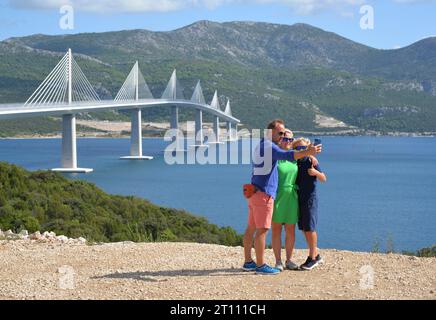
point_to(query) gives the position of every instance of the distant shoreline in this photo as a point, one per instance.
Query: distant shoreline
(370, 134)
(121, 130)
(297, 133)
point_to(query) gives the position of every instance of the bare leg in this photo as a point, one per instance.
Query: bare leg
(276, 240)
(312, 239)
(289, 240)
(248, 243)
(259, 246)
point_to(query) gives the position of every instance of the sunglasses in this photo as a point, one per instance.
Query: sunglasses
(287, 139)
(299, 148)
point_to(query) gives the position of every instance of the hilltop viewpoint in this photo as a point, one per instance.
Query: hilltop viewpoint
(33, 269)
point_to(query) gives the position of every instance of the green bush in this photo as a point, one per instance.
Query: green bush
(427, 252)
(47, 201)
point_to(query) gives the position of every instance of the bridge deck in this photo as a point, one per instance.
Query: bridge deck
(11, 111)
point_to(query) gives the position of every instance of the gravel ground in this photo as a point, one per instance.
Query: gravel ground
(34, 270)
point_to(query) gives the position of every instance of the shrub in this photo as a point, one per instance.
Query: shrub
(47, 201)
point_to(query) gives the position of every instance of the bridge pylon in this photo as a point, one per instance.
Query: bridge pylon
(135, 88)
(198, 97)
(174, 91)
(68, 85)
(215, 104)
(232, 133)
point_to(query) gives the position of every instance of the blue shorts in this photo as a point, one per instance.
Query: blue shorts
(308, 215)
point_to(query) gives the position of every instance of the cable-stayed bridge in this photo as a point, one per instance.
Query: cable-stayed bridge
(66, 92)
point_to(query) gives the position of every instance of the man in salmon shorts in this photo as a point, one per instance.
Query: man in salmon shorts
(261, 203)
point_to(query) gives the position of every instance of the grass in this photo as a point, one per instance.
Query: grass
(390, 248)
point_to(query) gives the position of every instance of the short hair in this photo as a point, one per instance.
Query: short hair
(273, 124)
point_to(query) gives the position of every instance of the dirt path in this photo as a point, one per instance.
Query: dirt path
(32, 270)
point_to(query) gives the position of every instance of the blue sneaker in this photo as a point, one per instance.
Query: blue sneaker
(267, 270)
(249, 266)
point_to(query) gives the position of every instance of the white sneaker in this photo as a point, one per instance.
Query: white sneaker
(291, 266)
(279, 266)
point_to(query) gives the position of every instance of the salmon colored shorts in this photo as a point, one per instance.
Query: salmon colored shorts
(260, 210)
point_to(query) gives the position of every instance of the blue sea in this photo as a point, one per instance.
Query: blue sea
(380, 190)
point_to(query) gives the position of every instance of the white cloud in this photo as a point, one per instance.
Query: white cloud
(414, 1)
(305, 7)
(103, 5)
(427, 37)
(299, 6)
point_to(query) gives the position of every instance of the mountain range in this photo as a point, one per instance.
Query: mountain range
(298, 72)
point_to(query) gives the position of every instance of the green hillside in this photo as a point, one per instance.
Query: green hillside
(266, 70)
(47, 201)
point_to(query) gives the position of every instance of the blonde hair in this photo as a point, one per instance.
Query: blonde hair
(302, 140)
(289, 131)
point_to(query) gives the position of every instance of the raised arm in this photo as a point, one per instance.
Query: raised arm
(280, 154)
(291, 155)
(311, 150)
(321, 176)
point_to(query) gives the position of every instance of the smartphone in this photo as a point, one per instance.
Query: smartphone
(316, 142)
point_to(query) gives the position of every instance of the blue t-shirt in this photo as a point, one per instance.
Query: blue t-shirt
(266, 177)
(306, 183)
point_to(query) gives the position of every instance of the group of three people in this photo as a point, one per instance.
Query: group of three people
(284, 195)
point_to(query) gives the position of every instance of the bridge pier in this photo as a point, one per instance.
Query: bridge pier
(235, 132)
(174, 117)
(136, 138)
(232, 132)
(216, 130)
(229, 131)
(174, 125)
(69, 146)
(199, 139)
(199, 127)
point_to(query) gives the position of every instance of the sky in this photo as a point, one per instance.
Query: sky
(383, 24)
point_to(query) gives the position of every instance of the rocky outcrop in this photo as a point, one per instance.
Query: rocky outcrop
(37, 236)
